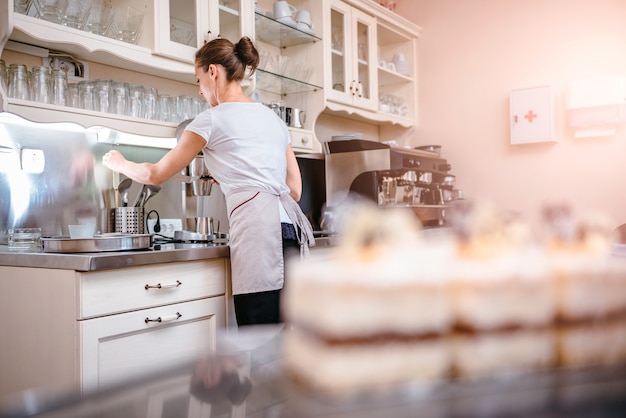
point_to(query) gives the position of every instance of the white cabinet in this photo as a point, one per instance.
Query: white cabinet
(172, 30)
(81, 331)
(362, 42)
(182, 26)
(351, 62)
(121, 347)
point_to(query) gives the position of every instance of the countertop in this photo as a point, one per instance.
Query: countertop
(160, 253)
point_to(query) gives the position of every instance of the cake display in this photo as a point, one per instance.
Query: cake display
(591, 289)
(486, 298)
(375, 313)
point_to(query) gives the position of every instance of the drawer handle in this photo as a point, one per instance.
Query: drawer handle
(163, 286)
(164, 318)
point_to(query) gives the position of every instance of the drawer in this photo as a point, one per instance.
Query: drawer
(122, 290)
(118, 348)
(300, 139)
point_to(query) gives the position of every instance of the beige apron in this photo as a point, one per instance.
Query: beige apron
(257, 263)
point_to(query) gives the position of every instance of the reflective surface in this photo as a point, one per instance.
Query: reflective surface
(246, 378)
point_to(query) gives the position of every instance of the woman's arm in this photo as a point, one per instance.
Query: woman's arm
(188, 146)
(294, 179)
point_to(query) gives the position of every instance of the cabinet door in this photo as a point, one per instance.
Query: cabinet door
(235, 19)
(181, 26)
(120, 347)
(352, 61)
(364, 60)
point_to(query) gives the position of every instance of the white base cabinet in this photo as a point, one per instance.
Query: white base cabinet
(82, 331)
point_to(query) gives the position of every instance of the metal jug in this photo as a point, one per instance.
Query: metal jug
(298, 117)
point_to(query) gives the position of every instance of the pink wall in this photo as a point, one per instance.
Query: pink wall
(473, 52)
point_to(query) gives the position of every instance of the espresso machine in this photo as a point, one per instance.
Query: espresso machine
(392, 177)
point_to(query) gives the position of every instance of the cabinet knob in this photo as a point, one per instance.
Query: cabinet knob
(304, 140)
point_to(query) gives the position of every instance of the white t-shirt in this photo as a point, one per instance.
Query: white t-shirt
(246, 145)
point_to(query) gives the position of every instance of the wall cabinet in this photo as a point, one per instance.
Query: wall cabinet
(351, 62)
(181, 27)
(341, 66)
(370, 64)
(83, 331)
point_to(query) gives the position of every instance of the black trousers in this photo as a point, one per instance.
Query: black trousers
(264, 307)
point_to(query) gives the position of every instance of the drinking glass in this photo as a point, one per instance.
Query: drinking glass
(24, 239)
(86, 95)
(40, 85)
(126, 25)
(73, 99)
(150, 108)
(4, 81)
(59, 87)
(99, 17)
(200, 105)
(165, 108)
(184, 107)
(21, 6)
(102, 93)
(50, 10)
(135, 100)
(74, 12)
(18, 82)
(119, 98)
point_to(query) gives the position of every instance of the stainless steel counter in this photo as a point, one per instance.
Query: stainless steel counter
(160, 253)
(163, 253)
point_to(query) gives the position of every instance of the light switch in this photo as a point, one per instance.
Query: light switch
(33, 160)
(531, 115)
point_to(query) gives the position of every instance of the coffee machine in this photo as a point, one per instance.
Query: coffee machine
(392, 177)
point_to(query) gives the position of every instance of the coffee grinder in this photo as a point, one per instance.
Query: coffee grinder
(198, 184)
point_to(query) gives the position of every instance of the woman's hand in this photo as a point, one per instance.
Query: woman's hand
(113, 160)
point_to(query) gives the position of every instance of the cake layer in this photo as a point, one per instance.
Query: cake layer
(347, 366)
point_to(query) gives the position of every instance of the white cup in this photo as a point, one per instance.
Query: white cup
(304, 16)
(399, 57)
(283, 9)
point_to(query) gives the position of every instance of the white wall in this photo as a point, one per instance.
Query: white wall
(473, 52)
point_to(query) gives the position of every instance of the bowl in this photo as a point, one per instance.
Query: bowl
(82, 231)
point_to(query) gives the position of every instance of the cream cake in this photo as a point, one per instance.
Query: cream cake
(502, 297)
(591, 289)
(375, 312)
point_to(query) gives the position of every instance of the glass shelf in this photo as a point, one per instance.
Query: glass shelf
(279, 84)
(279, 34)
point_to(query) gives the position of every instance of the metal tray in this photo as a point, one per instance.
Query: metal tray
(99, 243)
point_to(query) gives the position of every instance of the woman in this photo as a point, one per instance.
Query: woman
(246, 148)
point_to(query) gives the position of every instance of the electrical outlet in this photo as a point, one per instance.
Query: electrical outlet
(76, 70)
(168, 226)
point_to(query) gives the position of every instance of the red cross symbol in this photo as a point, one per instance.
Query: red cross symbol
(530, 116)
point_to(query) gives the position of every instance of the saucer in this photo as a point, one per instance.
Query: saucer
(303, 27)
(287, 20)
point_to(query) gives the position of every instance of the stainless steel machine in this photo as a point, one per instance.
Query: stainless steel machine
(413, 178)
